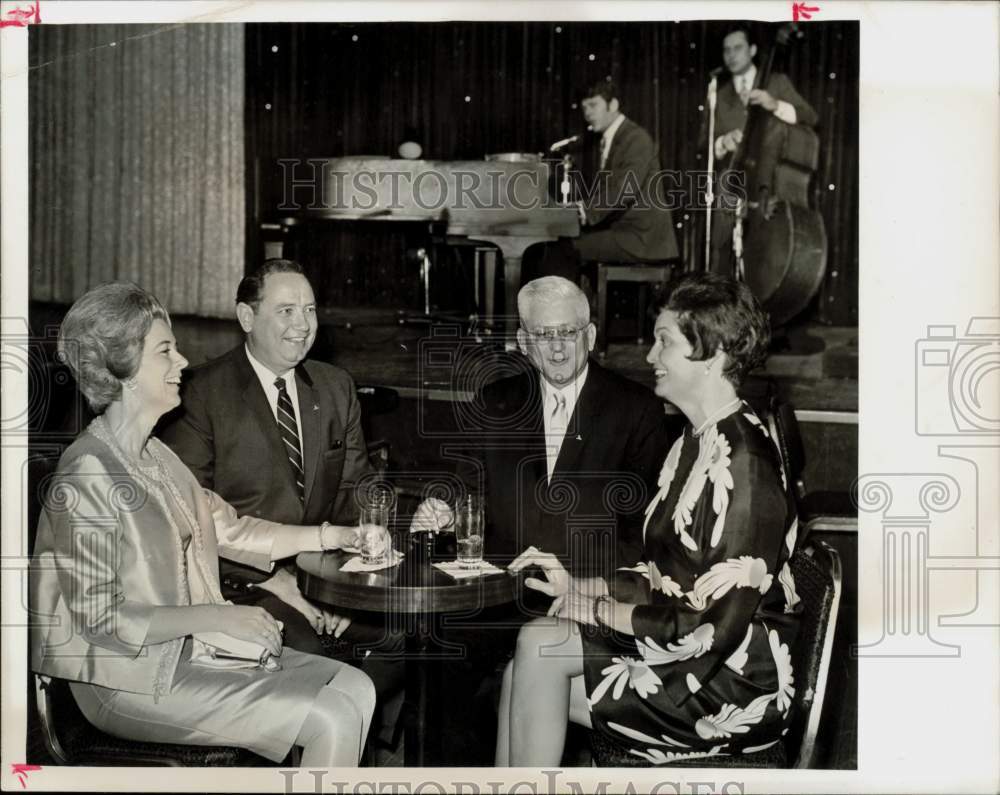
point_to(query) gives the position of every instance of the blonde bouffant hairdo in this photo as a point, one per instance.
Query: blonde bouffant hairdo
(102, 335)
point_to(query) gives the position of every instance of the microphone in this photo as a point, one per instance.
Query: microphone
(564, 142)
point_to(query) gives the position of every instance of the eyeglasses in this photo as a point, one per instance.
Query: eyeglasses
(553, 333)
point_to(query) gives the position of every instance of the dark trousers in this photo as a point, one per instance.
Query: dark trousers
(487, 641)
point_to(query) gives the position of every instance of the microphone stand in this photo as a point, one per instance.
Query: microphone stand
(710, 193)
(564, 185)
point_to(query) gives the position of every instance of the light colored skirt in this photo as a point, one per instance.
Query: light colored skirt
(254, 709)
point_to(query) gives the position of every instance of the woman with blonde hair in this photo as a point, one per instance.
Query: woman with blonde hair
(126, 571)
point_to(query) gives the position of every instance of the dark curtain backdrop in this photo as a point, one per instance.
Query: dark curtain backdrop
(468, 89)
(137, 161)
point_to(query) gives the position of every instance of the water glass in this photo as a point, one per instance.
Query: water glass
(373, 529)
(470, 531)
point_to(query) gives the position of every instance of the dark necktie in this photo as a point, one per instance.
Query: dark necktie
(289, 431)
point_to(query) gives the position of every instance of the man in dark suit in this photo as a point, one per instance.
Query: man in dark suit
(625, 217)
(279, 436)
(568, 455)
(733, 100)
(569, 452)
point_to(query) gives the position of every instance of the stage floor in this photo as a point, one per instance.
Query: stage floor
(449, 360)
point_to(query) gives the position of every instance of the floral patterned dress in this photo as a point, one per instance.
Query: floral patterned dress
(708, 672)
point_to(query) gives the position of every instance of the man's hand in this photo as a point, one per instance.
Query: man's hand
(283, 585)
(760, 97)
(432, 515)
(731, 140)
(331, 623)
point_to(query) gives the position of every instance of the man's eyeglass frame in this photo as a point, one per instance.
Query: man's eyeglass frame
(553, 333)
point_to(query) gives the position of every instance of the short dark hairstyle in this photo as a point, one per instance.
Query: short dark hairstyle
(739, 27)
(717, 312)
(602, 88)
(102, 337)
(252, 284)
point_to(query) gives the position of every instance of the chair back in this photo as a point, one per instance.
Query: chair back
(784, 428)
(818, 582)
(47, 691)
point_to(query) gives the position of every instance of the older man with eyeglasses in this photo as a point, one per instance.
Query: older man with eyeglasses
(568, 457)
(569, 451)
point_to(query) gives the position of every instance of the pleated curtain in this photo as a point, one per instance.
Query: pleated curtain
(137, 162)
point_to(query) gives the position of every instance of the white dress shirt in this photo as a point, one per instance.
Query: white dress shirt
(266, 378)
(555, 432)
(744, 85)
(608, 136)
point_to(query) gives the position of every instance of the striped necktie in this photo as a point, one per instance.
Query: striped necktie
(289, 430)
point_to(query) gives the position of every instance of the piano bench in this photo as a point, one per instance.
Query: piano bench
(644, 274)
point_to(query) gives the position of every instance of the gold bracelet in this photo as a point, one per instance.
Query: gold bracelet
(597, 607)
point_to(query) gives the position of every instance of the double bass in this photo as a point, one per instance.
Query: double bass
(783, 238)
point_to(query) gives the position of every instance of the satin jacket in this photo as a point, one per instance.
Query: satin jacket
(118, 538)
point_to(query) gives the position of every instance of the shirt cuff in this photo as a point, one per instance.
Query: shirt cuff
(786, 112)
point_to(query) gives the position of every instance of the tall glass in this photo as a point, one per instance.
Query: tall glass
(373, 527)
(470, 531)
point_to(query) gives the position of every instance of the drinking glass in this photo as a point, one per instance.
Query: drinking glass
(469, 531)
(373, 528)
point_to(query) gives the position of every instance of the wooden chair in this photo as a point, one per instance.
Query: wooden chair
(642, 274)
(818, 582)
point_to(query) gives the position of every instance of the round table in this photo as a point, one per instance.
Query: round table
(416, 589)
(414, 586)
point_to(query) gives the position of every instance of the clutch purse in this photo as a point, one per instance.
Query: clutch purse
(219, 650)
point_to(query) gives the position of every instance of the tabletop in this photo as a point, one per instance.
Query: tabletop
(413, 586)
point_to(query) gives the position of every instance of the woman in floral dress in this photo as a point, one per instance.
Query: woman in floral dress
(686, 654)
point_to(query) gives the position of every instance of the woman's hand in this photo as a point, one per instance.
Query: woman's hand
(574, 606)
(253, 624)
(339, 537)
(557, 583)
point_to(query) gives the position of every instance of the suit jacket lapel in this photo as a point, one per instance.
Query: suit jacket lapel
(260, 410)
(309, 419)
(583, 421)
(616, 142)
(536, 469)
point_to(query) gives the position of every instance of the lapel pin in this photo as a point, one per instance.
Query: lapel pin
(315, 406)
(579, 438)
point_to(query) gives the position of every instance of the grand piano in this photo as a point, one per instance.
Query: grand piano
(503, 200)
